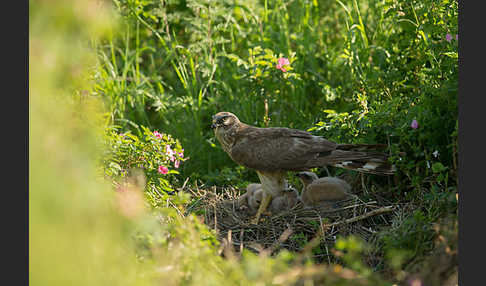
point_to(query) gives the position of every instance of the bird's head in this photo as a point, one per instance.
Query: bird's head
(307, 177)
(255, 199)
(224, 120)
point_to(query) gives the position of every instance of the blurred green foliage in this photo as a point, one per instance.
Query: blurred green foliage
(75, 236)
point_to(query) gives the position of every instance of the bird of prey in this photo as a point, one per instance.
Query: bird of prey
(273, 151)
(284, 201)
(316, 191)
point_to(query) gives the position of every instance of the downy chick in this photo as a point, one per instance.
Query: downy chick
(317, 191)
(286, 199)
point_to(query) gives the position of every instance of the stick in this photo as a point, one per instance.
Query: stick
(363, 216)
(283, 237)
(241, 239)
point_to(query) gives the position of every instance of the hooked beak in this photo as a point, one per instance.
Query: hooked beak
(213, 125)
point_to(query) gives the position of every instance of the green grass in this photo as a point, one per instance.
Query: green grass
(169, 66)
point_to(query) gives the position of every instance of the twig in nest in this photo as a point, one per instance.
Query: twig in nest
(185, 182)
(363, 216)
(177, 209)
(242, 231)
(228, 250)
(215, 218)
(251, 245)
(283, 237)
(363, 185)
(315, 241)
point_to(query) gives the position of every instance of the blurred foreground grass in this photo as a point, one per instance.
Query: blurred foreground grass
(75, 236)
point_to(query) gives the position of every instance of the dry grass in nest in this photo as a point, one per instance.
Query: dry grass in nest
(298, 229)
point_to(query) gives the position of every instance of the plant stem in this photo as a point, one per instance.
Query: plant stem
(266, 119)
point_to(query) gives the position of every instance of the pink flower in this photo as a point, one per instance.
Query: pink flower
(414, 124)
(457, 37)
(448, 37)
(281, 62)
(157, 134)
(170, 152)
(163, 170)
(181, 154)
(176, 163)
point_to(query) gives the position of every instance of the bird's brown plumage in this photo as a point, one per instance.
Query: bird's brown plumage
(277, 149)
(274, 151)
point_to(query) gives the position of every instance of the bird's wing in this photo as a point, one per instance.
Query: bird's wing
(276, 149)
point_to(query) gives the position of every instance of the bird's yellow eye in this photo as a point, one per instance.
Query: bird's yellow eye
(224, 120)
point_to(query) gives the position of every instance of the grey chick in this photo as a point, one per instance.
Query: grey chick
(286, 199)
(243, 202)
(317, 191)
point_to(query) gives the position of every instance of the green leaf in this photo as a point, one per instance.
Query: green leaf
(451, 55)
(438, 167)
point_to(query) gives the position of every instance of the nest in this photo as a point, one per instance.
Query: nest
(297, 229)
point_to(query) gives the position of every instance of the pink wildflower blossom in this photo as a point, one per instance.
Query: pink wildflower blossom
(170, 153)
(281, 62)
(176, 163)
(163, 170)
(157, 134)
(414, 124)
(448, 37)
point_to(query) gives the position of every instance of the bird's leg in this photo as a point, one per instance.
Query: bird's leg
(327, 171)
(272, 184)
(266, 198)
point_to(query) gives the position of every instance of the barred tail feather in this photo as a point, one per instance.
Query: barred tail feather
(371, 167)
(360, 147)
(365, 162)
(361, 158)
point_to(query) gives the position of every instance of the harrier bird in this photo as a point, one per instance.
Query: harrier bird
(318, 190)
(273, 151)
